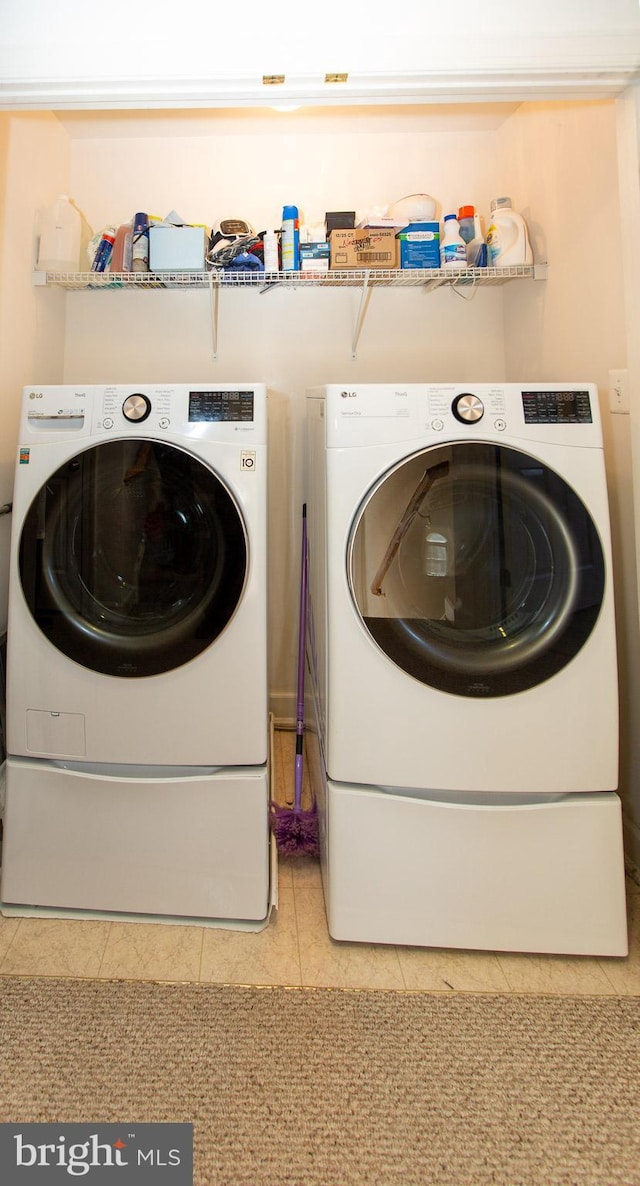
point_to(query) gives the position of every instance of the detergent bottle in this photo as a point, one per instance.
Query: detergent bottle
(507, 238)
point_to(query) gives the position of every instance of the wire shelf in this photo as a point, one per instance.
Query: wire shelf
(348, 278)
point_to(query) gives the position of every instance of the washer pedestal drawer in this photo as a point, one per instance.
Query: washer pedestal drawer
(497, 873)
(171, 842)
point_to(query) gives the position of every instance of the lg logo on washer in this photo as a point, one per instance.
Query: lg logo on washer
(349, 394)
(35, 395)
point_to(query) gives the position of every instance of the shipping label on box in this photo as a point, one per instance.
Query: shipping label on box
(367, 248)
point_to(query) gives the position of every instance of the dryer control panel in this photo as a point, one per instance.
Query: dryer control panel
(382, 413)
(556, 407)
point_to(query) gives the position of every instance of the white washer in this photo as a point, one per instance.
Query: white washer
(465, 666)
(137, 775)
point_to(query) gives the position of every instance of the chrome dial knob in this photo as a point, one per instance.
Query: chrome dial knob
(136, 407)
(467, 408)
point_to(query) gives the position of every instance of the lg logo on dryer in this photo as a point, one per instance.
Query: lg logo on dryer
(349, 394)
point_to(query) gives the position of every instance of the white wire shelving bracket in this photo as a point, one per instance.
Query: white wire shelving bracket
(364, 279)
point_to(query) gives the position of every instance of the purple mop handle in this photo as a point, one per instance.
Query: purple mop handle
(302, 629)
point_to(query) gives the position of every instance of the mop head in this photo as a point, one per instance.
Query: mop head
(295, 830)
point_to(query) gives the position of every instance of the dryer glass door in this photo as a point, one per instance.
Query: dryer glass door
(133, 557)
(476, 569)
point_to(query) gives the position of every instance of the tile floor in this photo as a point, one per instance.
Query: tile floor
(295, 949)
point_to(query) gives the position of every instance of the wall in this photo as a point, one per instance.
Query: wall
(628, 127)
(567, 162)
(34, 163)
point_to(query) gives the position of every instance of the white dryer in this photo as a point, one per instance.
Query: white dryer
(137, 775)
(465, 666)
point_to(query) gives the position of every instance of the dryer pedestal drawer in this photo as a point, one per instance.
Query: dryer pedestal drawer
(187, 844)
(496, 873)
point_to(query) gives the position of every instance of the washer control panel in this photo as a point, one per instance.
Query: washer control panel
(234, 412)
(191, 410)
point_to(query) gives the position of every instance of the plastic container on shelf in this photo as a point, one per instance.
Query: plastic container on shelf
(270, 249)
(453, 249)
(121, 256)
(414, 208)
(140, 243)
(465, 222)
(507, 236)
(58, 228)
(290, 239)
(102, 258)
(477, 247)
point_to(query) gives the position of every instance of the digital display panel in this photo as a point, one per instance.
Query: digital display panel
(556, 407)
(221, 407)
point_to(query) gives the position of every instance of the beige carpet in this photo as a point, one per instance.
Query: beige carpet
(298, 1087)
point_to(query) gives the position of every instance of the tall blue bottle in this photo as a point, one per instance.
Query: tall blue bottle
(290, 240)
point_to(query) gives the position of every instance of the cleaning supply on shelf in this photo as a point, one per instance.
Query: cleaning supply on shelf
(270, 249)
(477, 247)
(507, 237)
(419, 245)
(58, 228)
(290, 239)
(465, 222)
(121, 256)
(102, 256)
(453, 249)
(140, 246)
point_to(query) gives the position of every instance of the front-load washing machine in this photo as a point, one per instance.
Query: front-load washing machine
(463, 655)
(137, 771)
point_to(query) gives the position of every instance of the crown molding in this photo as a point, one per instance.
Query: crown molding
(511, 70)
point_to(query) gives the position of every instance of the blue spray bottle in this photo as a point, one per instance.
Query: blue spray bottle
(290, 239)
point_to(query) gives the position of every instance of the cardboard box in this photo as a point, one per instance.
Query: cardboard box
(177, 248)
(420, 245)
(364, 249)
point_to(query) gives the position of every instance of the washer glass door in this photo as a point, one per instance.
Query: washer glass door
(133, 557)
(476, 569)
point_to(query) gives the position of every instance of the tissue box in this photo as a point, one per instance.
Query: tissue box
(364, 249)
(177, 248)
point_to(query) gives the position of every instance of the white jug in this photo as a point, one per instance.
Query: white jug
(59, 228)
